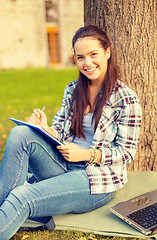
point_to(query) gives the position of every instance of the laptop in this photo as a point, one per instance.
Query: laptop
(140, 212)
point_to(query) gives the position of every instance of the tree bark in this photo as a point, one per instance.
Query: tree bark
(131, 26)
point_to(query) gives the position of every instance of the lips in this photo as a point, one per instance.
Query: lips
(91, 70)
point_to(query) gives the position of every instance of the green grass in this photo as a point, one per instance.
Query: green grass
(62, 235)
(23, 90)
(20, 92)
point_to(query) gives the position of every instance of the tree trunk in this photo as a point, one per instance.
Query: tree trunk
(131, 27)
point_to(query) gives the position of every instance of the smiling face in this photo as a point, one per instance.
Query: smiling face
(91, 59)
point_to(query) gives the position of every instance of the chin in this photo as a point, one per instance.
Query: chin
(92, 78)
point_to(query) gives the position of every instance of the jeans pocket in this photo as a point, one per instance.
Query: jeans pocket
(101, 202)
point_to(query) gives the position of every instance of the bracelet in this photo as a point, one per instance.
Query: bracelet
(94, 155)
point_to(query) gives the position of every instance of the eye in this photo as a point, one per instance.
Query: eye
(79, 58)
(94, 54)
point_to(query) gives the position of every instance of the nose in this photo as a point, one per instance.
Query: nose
(88, 62)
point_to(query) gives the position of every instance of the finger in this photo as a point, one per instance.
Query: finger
(64, 147)
(64, 152)
(31, 122)
(34, 118)
(37, 113)
(60, 148)
(66, 157)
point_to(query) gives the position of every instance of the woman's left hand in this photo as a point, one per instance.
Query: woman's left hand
(73, 153)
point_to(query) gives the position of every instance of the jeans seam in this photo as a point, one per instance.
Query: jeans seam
(13, 219)
(55, 195)
(22, 159)
(105, 198)
(20, 170)
(35, 141)
(32, 201)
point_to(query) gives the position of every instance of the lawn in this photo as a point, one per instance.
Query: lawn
(21, 91)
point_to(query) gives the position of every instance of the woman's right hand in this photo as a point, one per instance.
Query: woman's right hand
(38, 118)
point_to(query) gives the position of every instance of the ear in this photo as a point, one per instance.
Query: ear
(73, 59)
(108, 53)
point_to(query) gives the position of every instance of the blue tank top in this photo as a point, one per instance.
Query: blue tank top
(88, 128)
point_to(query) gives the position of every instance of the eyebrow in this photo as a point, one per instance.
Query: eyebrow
(87, 53)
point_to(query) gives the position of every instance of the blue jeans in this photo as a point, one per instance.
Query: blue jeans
(61, 187)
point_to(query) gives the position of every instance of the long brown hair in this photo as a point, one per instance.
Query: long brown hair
(80, 99)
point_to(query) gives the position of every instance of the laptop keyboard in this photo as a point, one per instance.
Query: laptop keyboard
(146, 217)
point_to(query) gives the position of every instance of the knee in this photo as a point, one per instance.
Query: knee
(17, 201)
(18, 197)
(19, 131)
(18, 192)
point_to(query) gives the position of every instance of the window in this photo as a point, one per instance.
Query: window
(52, 29)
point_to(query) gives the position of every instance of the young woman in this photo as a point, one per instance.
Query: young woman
(99, 124)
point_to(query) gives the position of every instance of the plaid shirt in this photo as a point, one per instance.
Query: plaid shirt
(117, 136)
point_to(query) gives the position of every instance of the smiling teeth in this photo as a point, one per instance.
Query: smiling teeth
(90, 70)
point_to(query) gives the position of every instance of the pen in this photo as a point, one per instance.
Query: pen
(43, 109)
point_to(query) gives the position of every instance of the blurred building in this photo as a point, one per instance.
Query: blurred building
(38, 33)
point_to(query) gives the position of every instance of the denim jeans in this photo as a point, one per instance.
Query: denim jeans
(61, 186)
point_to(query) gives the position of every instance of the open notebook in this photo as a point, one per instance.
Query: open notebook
(41, 130)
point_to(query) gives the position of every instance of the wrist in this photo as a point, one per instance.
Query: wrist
(95, 156)
(46, 127)
(86, 154)
(50, 130)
